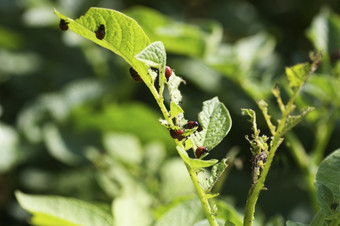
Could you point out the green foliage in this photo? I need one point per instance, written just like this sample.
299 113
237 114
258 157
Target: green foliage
49 210
97 144
216 122
123 35
327 182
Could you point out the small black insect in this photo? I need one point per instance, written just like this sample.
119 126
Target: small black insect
168 72
134 74
193 124
200 151
177 134
63 25
100 33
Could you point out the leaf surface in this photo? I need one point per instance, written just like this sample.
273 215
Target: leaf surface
75 212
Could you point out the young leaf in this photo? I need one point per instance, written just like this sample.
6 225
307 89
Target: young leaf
216 172
329 175
264 108
195 163
216 123
123 35
175 109
293 120
74 212
153 55
297 75
175 94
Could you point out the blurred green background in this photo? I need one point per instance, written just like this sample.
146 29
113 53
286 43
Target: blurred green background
64 99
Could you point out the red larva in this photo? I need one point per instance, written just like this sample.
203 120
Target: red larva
177 134
193 124
63 25
168 72
134 74
200 151
100 33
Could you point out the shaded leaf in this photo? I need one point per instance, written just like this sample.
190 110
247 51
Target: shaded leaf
216 172
329 175
178 37
325 198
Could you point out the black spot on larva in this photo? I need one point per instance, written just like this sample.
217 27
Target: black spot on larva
63 25
100 33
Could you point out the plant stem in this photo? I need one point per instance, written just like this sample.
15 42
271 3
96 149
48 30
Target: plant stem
256 188
193 175
202 196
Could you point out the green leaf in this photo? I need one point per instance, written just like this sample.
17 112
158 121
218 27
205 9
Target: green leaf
178 37
186 213
205 222
195 163
319 219
228 213
153 55
175 179
216 123
123 147
292 223
173 84
325 198
329 175
75 212
264 108
216 172
123 35
293 120
127 211
9 147
297 75
175 110
325 31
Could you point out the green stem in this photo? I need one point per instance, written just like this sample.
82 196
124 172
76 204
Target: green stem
193 174
256 188
202 196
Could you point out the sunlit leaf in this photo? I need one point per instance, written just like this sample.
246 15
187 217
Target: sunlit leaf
297 75
195 163
127 211
123 35
153 55
186 213
216 123
75 212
